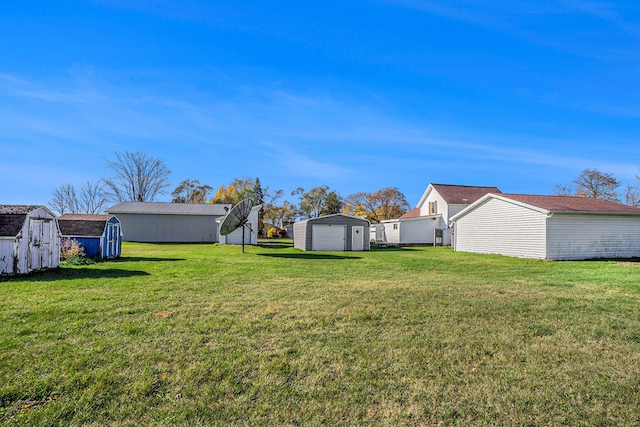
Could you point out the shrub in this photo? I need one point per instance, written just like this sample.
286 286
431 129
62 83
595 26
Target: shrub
72 253
272 232
70 248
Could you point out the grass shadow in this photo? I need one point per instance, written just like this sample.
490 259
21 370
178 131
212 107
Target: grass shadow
382 248
311 256
275 244
144 259
63 273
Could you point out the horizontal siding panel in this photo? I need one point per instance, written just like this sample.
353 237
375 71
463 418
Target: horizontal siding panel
168 228
593 236
418 231
500 227
391 234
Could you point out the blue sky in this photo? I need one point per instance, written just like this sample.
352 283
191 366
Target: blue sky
356 95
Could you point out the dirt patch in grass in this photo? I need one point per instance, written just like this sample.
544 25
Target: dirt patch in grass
164 314
630 263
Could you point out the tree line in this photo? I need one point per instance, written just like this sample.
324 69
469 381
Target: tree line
137 176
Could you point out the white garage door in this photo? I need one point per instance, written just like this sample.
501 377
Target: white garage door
328 237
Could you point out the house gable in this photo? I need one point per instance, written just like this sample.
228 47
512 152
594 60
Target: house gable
447 199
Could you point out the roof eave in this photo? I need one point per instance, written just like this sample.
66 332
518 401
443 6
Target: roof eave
593 213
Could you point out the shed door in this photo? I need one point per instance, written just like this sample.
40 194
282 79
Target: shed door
357 238
40 236
328 237
113 232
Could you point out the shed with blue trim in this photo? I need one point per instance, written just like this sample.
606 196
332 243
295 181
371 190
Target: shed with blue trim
99 235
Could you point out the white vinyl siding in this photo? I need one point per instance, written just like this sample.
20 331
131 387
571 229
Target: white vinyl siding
418 231
593 236
499 227
392 232
441 205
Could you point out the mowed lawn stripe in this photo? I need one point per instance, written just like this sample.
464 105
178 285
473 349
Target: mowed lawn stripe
205 335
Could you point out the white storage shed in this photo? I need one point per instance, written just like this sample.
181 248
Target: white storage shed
29 239
336 232
548 227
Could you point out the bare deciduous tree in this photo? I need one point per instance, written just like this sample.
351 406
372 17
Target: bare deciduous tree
93 199
562 190
64 199
138 177
632 195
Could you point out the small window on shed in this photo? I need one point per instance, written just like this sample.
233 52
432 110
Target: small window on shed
395 226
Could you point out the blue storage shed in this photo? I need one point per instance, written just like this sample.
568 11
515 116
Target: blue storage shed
99 235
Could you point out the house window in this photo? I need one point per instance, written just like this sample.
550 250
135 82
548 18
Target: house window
395 226
433 208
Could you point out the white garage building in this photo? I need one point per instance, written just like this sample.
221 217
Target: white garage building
548 227
336 232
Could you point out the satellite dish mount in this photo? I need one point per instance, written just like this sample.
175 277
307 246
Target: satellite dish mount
237 217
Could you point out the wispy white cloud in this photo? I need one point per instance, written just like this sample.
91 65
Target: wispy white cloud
310 138
530 20
307 165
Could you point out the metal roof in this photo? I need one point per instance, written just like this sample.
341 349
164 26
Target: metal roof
163 208
334 215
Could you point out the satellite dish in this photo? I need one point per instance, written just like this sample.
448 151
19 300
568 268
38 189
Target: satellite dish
237 217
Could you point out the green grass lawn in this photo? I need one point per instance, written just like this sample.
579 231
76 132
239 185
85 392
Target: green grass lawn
204 335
